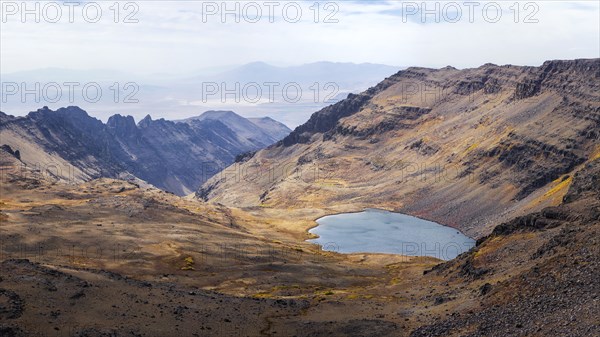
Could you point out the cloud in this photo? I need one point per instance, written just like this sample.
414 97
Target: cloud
172 37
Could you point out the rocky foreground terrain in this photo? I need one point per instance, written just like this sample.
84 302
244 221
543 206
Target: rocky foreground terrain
110 258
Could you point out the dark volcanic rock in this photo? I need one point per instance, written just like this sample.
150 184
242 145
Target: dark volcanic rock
12 305
9 150
537 162
11 331
177 157
356 327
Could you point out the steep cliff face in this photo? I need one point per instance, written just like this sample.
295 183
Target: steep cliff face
123 127
176 157
468 148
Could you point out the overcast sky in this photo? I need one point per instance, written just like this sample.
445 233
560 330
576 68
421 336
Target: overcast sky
180 36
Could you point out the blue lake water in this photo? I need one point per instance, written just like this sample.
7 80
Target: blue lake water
379 231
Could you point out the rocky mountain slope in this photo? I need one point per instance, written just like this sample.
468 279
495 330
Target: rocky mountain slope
256 131
535 275
466 148
175 157
274 128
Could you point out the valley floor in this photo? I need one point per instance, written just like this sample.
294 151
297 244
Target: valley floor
109 258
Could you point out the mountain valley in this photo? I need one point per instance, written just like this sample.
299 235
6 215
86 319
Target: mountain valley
508 155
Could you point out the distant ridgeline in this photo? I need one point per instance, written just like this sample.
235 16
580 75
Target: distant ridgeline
176 156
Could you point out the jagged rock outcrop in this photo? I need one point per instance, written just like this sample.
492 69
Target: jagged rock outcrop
9 150
173 156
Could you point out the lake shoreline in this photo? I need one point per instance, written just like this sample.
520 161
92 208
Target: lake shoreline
392 229
380 209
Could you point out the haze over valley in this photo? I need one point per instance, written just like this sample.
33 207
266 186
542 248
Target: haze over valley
257 89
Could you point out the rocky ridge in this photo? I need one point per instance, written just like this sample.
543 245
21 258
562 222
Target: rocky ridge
466 148
176 157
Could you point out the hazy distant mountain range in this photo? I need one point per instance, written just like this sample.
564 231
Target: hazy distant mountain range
174 156
179 96
344 74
